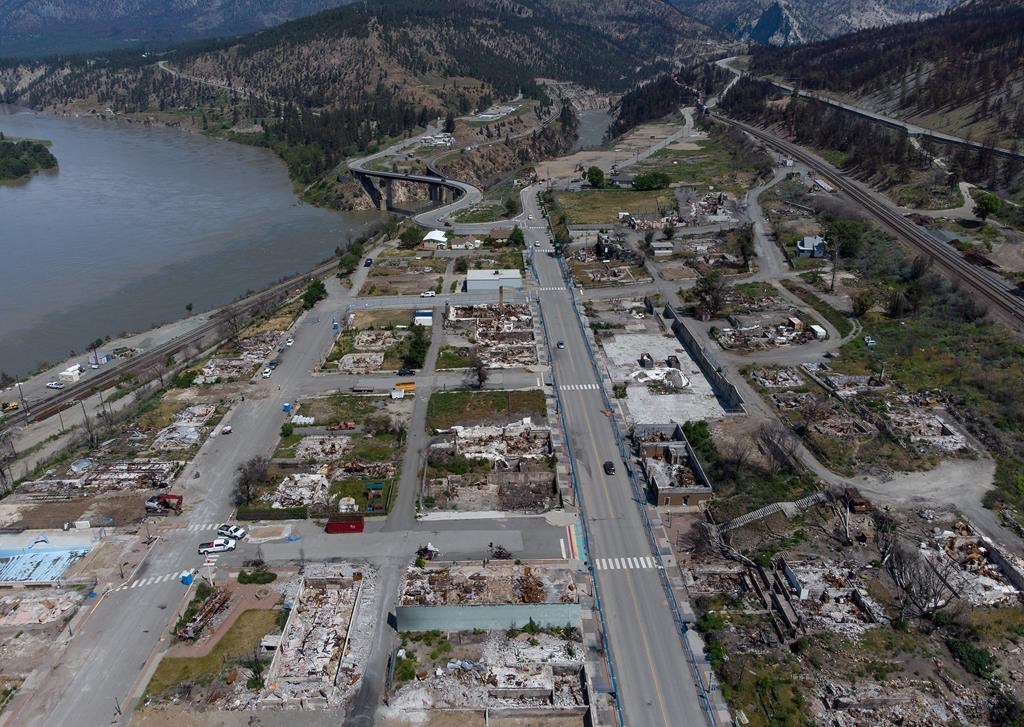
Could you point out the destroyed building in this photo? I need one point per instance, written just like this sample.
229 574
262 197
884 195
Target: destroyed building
674 475
521 478
502 334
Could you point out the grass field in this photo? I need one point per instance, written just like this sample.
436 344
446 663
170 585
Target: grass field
237 642
603 206
481 213
446 409
355 488
449 358
382 318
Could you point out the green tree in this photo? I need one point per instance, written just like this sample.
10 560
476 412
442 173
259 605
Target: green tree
449 123
410 237
595 175
287 429
650 181
511 205
986 204
848 235
419 343
315 292
710 291
745 243
348 262
517 237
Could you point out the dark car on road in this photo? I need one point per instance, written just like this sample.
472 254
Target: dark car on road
609 468
368 263
406 371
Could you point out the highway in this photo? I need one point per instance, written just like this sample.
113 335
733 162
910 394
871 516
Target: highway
656 684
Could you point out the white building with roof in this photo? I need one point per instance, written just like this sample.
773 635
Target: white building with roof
486 280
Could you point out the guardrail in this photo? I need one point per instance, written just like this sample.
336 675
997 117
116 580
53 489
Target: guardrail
640 496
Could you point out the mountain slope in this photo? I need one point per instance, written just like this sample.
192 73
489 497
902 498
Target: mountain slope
962 72
788 22
36 27
322 88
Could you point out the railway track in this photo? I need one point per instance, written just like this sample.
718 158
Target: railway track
992 287
150 359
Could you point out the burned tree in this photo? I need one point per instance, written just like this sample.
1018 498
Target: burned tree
250 475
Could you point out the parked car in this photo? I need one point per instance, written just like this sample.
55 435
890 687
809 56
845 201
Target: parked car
560 344
266 372
427 294
406 371
609 468
226 430
289 342
868 341
54 385
217 545
233 532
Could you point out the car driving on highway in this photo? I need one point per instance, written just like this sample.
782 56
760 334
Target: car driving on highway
54 385
427 294
609 468
217 545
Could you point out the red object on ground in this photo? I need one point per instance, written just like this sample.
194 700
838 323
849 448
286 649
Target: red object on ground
345 524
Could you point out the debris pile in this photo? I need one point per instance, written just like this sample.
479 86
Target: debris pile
502 334
221 369
981 576
361 363
503 446
213 605
300 489
440 584
29 608
322 449
778 378
318 660
186 430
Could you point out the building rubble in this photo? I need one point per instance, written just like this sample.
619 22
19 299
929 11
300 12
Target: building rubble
321 655
497 583
323 448
501 334
30 608
778 378
300 489
186 430
133 474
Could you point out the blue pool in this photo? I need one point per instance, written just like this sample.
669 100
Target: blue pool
38 563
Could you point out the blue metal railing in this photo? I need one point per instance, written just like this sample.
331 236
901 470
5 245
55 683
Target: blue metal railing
640 498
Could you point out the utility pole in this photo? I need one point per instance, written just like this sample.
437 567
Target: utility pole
88 424
21 395
835 264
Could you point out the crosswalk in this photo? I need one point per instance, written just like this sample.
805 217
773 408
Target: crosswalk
192 527
552 288
148 581
640 563
579 387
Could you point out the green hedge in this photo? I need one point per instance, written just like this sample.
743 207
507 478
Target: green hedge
269 513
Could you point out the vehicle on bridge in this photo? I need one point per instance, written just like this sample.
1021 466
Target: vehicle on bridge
165 503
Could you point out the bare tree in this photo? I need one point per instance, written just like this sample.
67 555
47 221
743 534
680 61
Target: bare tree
478 372
835 518
250 475
778 444
923 583
232 322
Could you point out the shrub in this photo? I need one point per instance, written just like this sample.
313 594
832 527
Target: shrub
260 576
287 429
975 659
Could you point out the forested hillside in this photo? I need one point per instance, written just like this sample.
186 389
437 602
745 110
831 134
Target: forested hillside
321 88
962 72
667 93
37 27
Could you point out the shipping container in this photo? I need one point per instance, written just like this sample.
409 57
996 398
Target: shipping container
345 524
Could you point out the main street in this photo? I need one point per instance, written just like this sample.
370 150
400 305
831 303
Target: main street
656 683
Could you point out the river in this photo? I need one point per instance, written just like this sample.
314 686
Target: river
594 124
138 222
